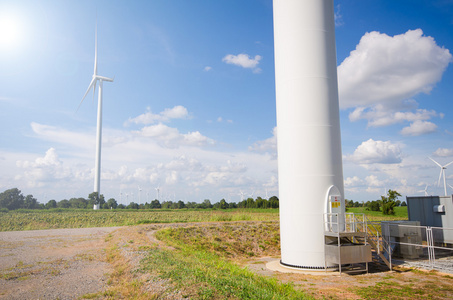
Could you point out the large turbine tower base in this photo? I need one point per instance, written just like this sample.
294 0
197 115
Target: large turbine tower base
308 123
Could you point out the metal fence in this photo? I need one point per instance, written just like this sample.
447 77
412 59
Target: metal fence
419 246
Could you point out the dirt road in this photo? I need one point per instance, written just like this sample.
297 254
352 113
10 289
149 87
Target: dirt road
53 264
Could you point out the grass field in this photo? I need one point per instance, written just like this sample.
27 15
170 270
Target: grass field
79 218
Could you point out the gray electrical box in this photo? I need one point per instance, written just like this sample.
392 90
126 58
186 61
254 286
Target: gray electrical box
406 234
433 211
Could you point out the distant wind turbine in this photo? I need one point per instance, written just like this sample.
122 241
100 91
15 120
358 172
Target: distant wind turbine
425 190
157 190
139 195
94 80
242 195
442 173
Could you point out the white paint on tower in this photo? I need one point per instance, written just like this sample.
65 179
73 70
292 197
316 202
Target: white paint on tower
308 123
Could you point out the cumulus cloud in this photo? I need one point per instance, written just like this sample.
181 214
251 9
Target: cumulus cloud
418 128
243 60
171 137
43 169
207 69
352 181
177 112
380 152
385 69
381 115
268 145
443 152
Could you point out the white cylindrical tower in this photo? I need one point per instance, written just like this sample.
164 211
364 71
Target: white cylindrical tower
308 124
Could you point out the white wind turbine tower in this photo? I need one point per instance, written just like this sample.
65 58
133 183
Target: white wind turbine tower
442 173
139 195
157 190
242 195
94 80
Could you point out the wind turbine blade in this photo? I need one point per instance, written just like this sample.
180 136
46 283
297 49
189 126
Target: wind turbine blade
89 87
448 164
440 176
435 162
94 87
96 51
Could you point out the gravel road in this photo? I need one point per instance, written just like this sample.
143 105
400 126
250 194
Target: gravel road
53 264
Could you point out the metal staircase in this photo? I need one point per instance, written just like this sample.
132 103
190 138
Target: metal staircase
360 231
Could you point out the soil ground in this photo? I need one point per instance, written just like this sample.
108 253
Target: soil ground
70 263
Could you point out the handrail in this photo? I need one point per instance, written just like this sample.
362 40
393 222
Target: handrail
351 223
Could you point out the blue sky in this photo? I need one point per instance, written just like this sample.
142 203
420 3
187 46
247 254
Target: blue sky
192 107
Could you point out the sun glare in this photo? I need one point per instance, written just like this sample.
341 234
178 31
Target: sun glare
10 32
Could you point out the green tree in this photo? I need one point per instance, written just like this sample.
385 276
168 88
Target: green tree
261 203
155 204
11 199
111 203
51 204
206 204
181 204
30 202
223 204
373 205
94 199
273 202
250 203
63 204
389 202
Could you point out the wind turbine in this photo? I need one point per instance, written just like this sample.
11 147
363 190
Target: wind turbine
139 195
425 190
94 80
157 189
442 173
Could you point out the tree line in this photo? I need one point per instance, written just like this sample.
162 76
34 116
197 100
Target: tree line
386 204
13 199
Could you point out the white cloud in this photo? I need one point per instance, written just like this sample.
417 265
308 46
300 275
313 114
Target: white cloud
207 68
171 137
443 152
418 128
352 181
243 60
382 115
43 169
338 17
387 69
380 152
373 181
267 145
59 135
177 112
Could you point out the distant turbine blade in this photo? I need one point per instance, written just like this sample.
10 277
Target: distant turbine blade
435 162
96 51
93 81
448 164
440 176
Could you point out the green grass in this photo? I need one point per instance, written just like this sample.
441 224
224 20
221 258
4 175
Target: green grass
400 213
195 268
73 218
83 218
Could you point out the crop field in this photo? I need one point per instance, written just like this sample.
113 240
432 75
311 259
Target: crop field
82 218
78 218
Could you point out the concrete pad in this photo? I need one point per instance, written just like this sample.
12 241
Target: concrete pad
277 267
